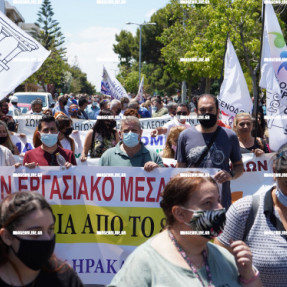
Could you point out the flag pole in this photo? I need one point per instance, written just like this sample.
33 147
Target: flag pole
256 97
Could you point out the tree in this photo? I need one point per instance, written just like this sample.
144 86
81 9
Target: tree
49 35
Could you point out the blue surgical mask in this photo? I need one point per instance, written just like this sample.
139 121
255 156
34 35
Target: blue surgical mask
131 139
94 104
281 196
49 140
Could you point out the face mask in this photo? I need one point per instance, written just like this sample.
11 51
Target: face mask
281 196
173 147
35 253
11 127
153 109
94 104
5 110
34 113
3 139
131 139
68 131
208 123
65 102
212 221
49 139
118 111
74 114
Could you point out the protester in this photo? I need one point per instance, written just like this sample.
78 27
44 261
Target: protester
14 108
190 204
243 125
124 104
93 109
132 112
266 233
28 260
104 105
47 112
209 145
46 154
171 141
5 139
4 109
262 130
74 112
36 107
171 107
6 157
147 105
62 101
182 112
143 112
83 103
158 108
65 129
115 107
130 151
102 137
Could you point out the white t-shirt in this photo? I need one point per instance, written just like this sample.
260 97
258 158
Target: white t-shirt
66 144
6 157
175 123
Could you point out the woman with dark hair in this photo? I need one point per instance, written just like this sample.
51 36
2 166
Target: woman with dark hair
261 222
261 126
102 137
181 255
28 260
5 139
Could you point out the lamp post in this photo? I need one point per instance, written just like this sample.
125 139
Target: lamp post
140 48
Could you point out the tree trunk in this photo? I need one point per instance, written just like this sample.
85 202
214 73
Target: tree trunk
207 85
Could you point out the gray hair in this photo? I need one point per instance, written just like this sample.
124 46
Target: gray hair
37 102
131 119
133 104
114 102
171 105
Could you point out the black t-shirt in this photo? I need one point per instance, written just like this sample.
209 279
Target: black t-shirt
65 277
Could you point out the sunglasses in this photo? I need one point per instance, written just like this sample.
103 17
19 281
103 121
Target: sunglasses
74 110
181 113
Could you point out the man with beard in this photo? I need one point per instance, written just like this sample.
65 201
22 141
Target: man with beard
208 145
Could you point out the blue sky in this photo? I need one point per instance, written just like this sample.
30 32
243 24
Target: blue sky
90 28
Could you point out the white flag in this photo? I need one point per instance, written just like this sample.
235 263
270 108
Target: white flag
234 95
140 92
112 87
274 78
20 55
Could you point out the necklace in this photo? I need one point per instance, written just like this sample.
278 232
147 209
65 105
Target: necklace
188 261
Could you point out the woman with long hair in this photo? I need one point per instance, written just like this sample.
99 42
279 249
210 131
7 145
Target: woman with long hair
27 242
102 137
5 139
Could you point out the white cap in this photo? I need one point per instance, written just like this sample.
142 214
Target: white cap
14 99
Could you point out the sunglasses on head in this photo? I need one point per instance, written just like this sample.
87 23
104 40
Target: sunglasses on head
181 113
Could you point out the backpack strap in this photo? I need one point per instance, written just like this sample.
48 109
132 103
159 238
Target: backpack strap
251 216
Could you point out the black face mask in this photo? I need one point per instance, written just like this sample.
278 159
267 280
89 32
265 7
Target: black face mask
11 127
2 139
68 131
208 123
65 102
35 253
118 111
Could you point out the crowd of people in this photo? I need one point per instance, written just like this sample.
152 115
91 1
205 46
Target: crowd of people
189 203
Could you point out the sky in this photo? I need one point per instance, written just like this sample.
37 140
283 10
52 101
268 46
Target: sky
90 28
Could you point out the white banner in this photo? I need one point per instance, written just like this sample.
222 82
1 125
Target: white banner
140 91
112 87
274 78
234 95
20 55
89 202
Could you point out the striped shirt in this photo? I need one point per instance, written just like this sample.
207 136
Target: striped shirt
267 242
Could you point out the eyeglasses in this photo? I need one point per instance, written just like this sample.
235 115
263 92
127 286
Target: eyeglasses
181 113
74 110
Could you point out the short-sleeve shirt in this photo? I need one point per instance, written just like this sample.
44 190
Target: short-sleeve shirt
6 157
192 143
145 267
175 123
116 157
163 111
43 158
269 249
